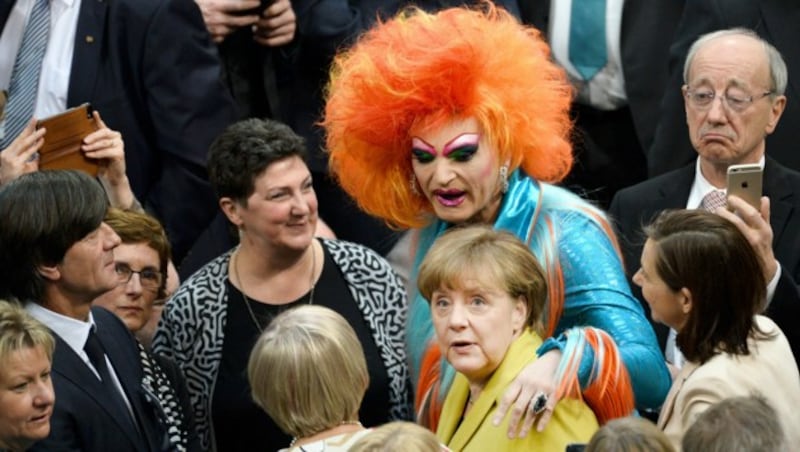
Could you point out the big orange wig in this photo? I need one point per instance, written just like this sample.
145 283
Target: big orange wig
420 70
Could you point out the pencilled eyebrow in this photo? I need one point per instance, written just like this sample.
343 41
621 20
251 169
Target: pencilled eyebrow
464 139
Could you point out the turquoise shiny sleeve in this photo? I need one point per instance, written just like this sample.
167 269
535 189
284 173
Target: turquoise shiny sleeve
597 294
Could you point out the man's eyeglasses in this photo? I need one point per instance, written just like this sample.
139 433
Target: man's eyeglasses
702 98
149 279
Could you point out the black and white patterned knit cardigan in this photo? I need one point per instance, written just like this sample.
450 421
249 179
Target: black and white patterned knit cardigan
192 325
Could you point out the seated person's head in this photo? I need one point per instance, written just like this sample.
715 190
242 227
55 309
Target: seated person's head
308 371
26 392
629 434
693 264
737 424
493 279
52 234
141 263
398 436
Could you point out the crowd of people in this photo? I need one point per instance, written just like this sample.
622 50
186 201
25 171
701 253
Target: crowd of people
392 226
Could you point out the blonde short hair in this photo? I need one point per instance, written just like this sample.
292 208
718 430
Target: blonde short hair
18 331
491 256
308 370
398 436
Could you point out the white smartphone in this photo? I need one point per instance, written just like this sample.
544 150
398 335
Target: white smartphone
744 181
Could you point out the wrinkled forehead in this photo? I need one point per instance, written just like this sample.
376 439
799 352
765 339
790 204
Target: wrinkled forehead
730 61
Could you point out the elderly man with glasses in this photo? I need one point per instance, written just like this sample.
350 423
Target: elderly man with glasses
733 92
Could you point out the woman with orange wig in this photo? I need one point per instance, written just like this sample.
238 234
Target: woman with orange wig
437 120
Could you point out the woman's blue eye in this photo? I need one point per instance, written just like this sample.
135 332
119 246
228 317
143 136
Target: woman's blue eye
421 155
463 153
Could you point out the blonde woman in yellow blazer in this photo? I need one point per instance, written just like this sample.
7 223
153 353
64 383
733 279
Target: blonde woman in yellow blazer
701 277
487 293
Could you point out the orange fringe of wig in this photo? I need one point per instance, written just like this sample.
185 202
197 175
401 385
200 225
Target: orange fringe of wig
422 70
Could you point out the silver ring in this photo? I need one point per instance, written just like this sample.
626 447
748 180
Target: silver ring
538 403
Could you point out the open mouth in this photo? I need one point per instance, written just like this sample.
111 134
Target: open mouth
461 346
450 198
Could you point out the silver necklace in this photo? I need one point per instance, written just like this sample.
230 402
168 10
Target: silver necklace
247 299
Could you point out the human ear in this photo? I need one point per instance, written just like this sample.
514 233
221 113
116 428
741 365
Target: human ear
520 313
686 300
231 210
49 272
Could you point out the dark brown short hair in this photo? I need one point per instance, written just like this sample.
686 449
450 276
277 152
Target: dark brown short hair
709 256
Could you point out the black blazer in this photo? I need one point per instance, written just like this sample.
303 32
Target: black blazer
776 21
151 70
636 206
646 33
82 419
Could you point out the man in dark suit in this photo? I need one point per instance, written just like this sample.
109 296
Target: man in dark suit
57 257
151 70
776 21
615 114
733 100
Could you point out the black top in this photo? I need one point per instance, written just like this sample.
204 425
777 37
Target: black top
239 424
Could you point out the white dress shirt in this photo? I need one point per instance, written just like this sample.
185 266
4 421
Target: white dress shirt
606 90
57 63
74 333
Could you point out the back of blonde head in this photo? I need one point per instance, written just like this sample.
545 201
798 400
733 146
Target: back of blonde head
308 371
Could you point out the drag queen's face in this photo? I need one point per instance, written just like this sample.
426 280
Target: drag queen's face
457 171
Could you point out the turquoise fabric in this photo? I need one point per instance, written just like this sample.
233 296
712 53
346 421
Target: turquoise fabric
595 287
587 37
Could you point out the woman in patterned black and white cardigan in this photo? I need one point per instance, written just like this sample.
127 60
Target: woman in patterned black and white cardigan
209 326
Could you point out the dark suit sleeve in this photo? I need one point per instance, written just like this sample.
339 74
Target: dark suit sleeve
188 107
784 309
671 147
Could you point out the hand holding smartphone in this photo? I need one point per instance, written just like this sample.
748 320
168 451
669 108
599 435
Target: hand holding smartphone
745 181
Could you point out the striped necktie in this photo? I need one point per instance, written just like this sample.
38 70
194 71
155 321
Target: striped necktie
587 37
24 83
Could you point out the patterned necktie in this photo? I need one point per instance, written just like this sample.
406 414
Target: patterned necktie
587 37
713 200
24 83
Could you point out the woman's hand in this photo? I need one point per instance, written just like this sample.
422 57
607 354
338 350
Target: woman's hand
19 158
106 146
535 379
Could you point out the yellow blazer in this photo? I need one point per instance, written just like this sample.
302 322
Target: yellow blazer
769 369
572 422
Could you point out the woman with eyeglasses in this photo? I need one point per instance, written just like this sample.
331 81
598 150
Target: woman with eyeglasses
141 262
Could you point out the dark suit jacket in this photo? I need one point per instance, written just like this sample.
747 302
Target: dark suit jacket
638 205
776 21
83 420
647 30
151 70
